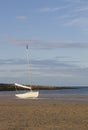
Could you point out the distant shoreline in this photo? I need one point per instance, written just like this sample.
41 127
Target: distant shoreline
12 87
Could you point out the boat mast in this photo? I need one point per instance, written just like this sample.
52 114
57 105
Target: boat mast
29 66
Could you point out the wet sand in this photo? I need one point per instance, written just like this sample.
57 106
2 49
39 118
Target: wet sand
30 114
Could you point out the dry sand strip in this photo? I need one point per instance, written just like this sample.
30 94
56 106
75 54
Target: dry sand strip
16 114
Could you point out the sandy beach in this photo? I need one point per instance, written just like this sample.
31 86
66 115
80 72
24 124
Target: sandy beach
19 114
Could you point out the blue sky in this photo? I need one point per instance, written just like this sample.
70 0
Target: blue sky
57 34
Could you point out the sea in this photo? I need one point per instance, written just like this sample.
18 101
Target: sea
73 94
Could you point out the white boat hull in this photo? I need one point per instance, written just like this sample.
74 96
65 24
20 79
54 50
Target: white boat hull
31 94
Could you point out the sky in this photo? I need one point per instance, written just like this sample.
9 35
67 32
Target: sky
56 32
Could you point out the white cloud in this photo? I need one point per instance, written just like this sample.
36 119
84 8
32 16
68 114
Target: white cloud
38 44
82 9
56 75
51 9
74 19
43 69
21 17
76 15
76 1
81 22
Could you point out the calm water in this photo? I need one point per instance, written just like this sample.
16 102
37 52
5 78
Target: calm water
79 94
80 90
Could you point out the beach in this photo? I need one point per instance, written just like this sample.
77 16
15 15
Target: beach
35 114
